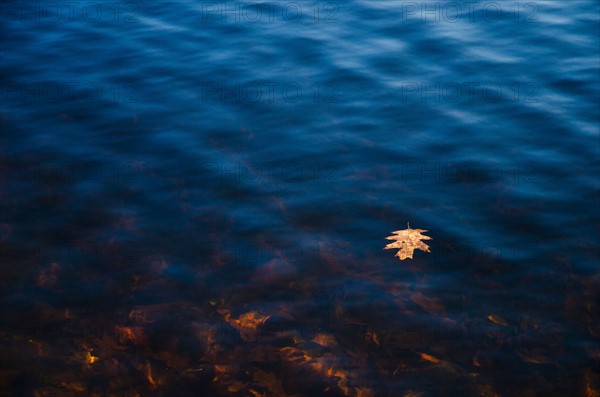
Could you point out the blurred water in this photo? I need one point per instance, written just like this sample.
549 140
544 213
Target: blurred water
233 157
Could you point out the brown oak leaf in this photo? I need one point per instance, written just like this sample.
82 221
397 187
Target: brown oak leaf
408 241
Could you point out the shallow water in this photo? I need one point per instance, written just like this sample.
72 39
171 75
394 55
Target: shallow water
195 198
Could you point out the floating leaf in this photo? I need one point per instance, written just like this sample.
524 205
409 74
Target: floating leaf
407 241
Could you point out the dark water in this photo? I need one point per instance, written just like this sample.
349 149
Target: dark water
195 198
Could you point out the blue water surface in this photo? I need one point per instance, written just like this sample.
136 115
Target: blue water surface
170 166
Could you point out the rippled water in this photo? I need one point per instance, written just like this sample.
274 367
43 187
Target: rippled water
196 195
